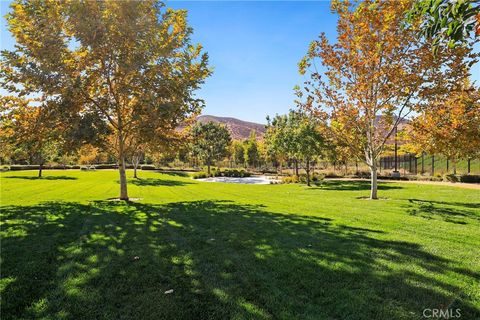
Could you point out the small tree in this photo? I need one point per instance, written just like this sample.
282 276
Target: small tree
309 141
210 142
88 154
28 126
238 153
251 152
281 137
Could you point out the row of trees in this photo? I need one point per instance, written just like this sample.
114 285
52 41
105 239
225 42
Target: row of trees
127 66
121 76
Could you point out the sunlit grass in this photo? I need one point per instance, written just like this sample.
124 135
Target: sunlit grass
234 251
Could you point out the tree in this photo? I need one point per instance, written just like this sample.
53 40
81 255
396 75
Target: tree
238 153
275 139
126 61
375 75
27 125
210 142
450 127
281 137
309 141
449 22
88 154
251 152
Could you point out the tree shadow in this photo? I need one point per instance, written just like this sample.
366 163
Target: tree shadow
42 178
473 205
339 185
447 211
223 260
174 173
153 182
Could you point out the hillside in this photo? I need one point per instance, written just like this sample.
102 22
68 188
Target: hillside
239 129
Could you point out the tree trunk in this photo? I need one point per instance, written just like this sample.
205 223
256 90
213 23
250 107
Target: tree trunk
40 167
208 168
307 169
468 166
454 166
121 167
135 162
296 167
374 187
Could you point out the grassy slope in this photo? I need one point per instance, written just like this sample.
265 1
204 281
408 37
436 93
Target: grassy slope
234 251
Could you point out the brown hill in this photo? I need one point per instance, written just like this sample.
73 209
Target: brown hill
239 129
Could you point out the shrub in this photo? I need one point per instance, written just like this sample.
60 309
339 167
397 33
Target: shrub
244 174
290 179
24 167
362 174
200 175
105 166
450 178
318 179
147 167
332 174
470 178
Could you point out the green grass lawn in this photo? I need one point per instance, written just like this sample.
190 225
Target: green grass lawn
234 251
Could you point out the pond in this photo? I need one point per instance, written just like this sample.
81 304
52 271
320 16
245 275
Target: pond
248 180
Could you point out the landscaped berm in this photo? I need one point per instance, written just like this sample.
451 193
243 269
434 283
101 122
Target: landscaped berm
196 250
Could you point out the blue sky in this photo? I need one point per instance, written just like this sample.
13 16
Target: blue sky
254 48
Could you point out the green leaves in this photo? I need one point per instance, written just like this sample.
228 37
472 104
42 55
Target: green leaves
210 141
446 22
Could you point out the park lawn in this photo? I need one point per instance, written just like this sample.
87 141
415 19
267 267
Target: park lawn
234 251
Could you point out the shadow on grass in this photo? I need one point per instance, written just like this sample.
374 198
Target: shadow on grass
472 205
339 185
174 173
223 260
42 178
447 211
153 182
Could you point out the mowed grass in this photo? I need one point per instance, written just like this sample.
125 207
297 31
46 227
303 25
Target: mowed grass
234 251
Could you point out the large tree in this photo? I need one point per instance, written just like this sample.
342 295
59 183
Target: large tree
375 75
210 142
125 61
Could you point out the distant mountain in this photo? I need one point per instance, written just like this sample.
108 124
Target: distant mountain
239 129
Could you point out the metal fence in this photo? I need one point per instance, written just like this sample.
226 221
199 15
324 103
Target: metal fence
429 164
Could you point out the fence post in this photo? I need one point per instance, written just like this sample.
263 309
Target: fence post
423 162
433 165
410 163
